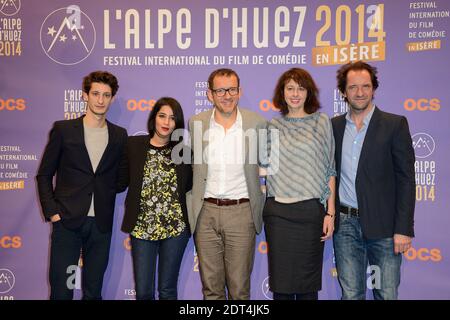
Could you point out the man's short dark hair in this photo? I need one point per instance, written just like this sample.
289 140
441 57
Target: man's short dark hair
355 66
222 72
101 77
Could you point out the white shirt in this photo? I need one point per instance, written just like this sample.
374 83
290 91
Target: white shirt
225 157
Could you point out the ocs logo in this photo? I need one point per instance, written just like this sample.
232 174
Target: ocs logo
433 104
9 7
262 247
10 242
424 254
7 280
140 105
423 145
12 104
267 105
67 35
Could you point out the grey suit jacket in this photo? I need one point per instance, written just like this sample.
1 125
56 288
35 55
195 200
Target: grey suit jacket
250 120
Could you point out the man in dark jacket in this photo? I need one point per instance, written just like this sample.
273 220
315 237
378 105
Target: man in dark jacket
87 155
375 188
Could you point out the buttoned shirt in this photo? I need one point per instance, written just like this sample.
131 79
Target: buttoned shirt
351 150
225 155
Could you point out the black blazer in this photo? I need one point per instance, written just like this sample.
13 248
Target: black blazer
385 180
137 153
66 156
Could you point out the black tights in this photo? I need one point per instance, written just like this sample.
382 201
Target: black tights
296 296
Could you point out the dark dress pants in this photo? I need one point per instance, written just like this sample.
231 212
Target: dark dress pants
66 247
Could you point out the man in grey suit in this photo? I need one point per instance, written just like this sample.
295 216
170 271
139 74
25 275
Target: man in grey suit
226 210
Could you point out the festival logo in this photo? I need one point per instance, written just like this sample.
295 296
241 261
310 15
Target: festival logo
265 289
425 169
423 145
9 7
140 133
67 35
7 280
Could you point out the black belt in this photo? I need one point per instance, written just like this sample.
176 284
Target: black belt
226 202
349 210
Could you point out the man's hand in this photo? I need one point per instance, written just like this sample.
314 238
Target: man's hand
401 243
55 218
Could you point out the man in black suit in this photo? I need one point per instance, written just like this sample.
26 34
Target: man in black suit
376 188
88 156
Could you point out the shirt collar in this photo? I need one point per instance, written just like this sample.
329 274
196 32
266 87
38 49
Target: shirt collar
366 118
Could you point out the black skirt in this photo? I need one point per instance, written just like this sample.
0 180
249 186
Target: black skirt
295 252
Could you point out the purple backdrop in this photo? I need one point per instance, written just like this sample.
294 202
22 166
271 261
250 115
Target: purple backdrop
159 48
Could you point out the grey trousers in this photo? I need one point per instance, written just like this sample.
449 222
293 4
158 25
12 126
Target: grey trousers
225 243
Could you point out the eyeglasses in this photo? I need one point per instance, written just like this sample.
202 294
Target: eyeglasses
221 92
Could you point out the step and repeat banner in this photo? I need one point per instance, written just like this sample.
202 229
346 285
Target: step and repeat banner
168 48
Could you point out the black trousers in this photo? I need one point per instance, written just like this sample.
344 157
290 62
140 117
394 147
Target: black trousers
66 246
